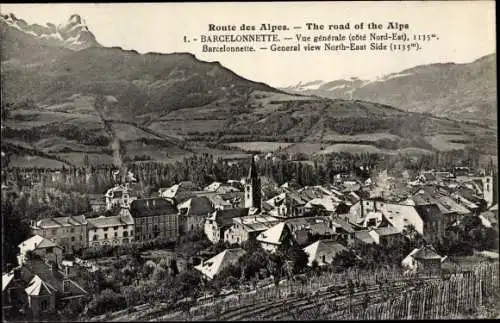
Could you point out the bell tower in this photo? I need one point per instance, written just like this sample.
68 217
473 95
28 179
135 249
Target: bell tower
253 188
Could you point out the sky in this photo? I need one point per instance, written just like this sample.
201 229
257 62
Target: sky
466 31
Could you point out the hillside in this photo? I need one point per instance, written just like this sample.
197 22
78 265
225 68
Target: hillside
101 106
458 91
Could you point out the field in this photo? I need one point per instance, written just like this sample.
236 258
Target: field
173 127
77 158
262 146
26 161
446 142
352 148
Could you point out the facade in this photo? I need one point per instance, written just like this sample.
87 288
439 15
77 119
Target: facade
70 232
37 288
305 228
221 220
248 227
253 193
155 218
111 230
423 260
287 205
276 237
179 192
433 222
193 213
41 247
120 195
488 190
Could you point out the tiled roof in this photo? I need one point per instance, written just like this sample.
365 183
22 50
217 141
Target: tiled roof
37 242
197 206
225 217
254 223
428 213
387 230
65 221
426 252
329 247
273 235
214 265
38 287
364 236
105 221
151 207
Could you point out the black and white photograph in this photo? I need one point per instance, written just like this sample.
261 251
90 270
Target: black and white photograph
249 161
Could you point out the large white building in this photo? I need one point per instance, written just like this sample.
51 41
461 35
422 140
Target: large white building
111 230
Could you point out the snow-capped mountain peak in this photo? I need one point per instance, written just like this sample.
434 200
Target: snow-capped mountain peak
72 34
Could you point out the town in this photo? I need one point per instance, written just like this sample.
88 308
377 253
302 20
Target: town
191 252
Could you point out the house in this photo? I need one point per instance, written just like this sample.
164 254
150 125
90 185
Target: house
427 219
248 227
193 213
423 260
386 236
97 202
235 159
433 222
287 205
213 266
328 203
364 237
323 252
41 247
219 187
120 195
223 201
219 221
489 219
344 231
111 230
305 228
36 288
155 218
275 237
179 192
69 232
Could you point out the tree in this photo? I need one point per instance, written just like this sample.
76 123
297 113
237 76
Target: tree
174 271
298 257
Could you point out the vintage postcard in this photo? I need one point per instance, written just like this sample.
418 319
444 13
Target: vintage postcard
249 161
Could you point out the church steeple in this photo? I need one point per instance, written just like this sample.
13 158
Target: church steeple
252 173
253 188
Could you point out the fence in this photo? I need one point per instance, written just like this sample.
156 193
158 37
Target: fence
462 293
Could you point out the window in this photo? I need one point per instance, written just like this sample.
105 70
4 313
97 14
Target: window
72 230
50 249
44 305
105 236
125 233
124 227
105 229
115 228
73 239
94 238
54 232
131 232
116 234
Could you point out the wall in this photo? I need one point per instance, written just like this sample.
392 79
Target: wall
111 239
